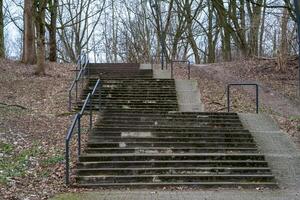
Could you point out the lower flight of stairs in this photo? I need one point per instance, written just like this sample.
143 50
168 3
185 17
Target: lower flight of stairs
142 140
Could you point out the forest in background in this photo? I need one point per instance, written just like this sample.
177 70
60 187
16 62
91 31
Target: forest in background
203 31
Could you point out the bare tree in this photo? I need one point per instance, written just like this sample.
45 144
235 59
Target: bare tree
2 49
52 28
39 19
76 17
29 53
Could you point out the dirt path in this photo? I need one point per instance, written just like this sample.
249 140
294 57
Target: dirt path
267 96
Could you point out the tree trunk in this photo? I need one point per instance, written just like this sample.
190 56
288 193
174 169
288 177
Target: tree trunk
226 45
283 50
193 44
2 49
224 23
52 31
40 28
275 43
255 18
29 53
211 47
262 29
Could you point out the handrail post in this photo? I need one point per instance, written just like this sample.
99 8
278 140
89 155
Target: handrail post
70 100
67 157
91 114
256 98
171 69
76 92
79 135
228 98
100 96
88 69
189 69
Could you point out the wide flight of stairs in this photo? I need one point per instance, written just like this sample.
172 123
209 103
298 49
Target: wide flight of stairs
141 139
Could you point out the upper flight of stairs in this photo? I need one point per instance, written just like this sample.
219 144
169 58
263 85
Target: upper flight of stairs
141 139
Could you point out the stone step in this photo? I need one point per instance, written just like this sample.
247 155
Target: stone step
141 125
164 100
169 129
167 116
143 98
140 110
124 108
189 184
136 105
130 103
192 156
128 79
139 94
174 170
171 122
134 102
167 139
138 85
178 114
164 120
170 144
173 163
173 134
145 86
176 178
186 149
135 96
135 83
158 90
138 116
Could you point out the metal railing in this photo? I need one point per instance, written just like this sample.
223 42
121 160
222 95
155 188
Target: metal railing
77 122
241 84
181 61
81 71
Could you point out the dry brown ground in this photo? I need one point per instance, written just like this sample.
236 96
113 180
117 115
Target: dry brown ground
33 124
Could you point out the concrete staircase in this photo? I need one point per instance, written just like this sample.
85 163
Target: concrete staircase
141 139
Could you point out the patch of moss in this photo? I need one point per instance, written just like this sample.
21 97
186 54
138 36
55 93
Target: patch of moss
15 165
294 118
6 148
53 160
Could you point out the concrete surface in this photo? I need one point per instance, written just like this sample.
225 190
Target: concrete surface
181 195
145 66
188 96
280 151
159 73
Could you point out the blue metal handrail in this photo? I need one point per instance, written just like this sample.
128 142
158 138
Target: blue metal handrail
242 84
77 121
82 68
181 61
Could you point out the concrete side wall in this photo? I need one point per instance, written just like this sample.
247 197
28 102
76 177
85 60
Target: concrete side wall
188 96
281 152
145 66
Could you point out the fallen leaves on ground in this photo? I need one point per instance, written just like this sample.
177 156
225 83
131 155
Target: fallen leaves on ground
33 124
